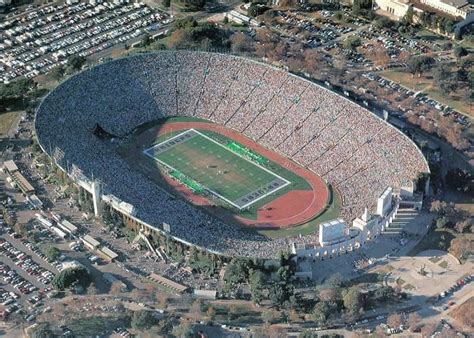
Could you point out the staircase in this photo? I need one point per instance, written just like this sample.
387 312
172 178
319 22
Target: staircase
402 218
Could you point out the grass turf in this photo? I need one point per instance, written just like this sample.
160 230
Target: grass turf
217 168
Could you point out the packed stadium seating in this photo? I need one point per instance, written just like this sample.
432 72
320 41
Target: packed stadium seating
348 146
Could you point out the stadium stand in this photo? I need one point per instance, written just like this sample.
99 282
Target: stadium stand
355 151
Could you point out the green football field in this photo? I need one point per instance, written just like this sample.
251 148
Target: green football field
218 169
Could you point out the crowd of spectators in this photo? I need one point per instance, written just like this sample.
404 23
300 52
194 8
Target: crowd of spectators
359 154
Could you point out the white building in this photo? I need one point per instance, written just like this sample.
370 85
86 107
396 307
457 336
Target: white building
395 8
90 242
332 232
384 202
456 8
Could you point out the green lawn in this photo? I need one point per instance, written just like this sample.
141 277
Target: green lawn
6 121
217 168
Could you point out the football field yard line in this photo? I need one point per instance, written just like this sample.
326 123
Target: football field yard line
183 150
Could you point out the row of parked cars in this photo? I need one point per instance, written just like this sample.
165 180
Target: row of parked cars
456 286
35 47
8 301
25 262
14 279
36 250
419 97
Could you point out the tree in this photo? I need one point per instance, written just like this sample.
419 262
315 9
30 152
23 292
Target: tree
437 206
269 316
394 320
459 52
441 222
43 330
352 299
383 22
16 89
116 288
462 225
461 247
195 312
413 321
162 300
308 334
183 330
57 73
257 281
279 294
351 42
143 320
321 313
384 293
240 42
445 79
167 3
70 277
146 40
284 273
237 271
420 64
408 18
91 290
380 331
75 63
328 294
211 313
52 253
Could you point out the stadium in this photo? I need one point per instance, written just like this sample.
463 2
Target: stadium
213 150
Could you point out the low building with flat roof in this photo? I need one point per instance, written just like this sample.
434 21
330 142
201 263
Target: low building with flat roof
10 166
67 226
168 283
90 242
107 254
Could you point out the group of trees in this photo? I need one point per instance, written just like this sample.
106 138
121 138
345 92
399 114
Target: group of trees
256 9
204 262
445 127
15 93
363 8
74 64
334 299
143 320
448 216
189 34
460 180
278 289
436 22
419 65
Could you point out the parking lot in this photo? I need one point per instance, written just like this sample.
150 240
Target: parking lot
25 273
44 38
